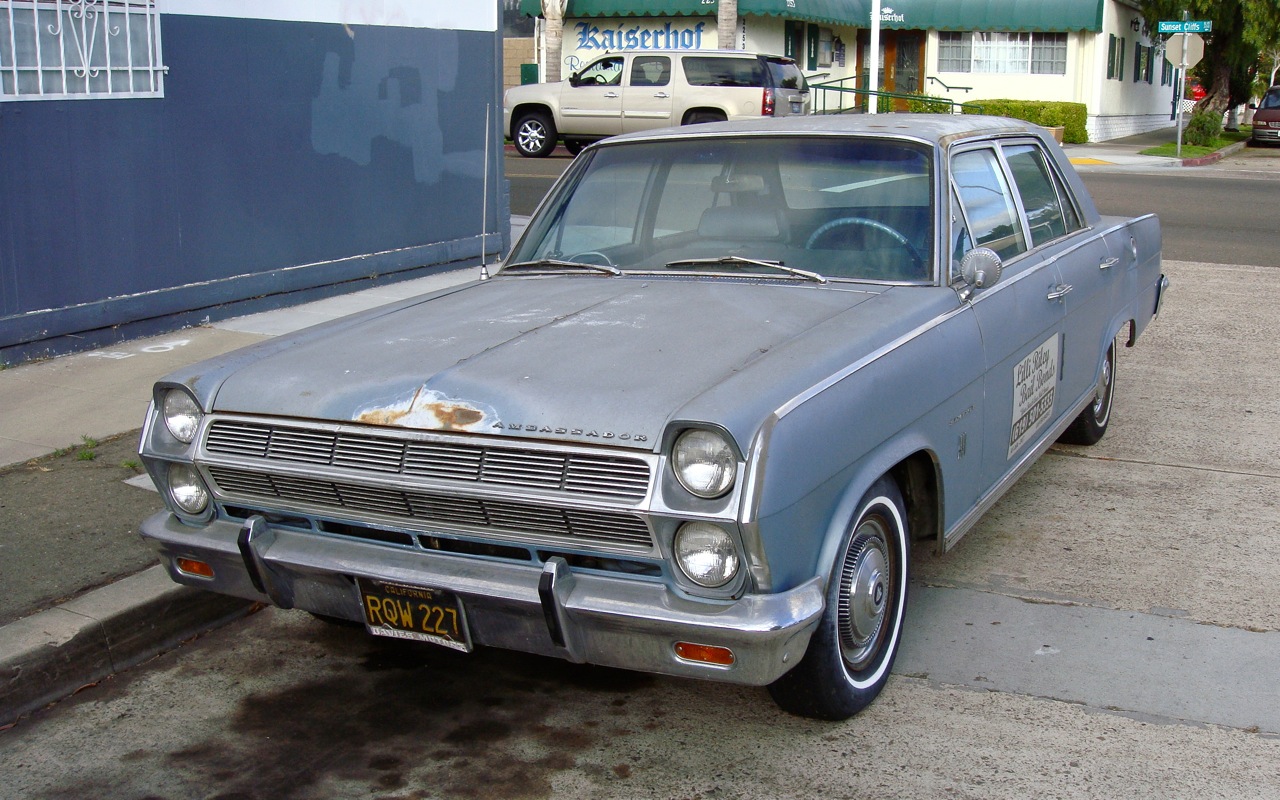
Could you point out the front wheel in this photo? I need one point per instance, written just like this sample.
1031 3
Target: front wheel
1089 426
852 651
535 135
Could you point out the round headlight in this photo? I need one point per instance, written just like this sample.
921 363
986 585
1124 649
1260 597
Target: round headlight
181 415
187 490
705 553
704 462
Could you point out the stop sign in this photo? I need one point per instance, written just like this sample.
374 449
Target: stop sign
1195 49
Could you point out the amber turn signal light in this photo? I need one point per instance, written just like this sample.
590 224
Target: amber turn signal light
706 653
193 567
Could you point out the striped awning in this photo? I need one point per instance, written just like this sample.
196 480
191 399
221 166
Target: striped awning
832 12
944 15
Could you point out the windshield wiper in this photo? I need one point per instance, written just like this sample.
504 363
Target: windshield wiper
744 261
556 262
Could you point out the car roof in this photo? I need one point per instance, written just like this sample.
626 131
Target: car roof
938 129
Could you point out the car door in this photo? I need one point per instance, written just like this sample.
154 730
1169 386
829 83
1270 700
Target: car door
646 97
1091 268
1019 315
591 102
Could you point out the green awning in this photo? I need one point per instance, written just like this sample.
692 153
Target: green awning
985 15
833 12
943 15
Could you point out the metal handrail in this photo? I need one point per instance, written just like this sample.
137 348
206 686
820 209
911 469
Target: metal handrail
839 87
948 88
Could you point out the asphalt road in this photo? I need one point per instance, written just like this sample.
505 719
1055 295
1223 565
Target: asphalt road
1109 629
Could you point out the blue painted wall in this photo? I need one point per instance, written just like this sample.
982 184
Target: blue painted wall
285 157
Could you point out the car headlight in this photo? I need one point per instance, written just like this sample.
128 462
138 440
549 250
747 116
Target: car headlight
704 462
181 415
706 554
187 490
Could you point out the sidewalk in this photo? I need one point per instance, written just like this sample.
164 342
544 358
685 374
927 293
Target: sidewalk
1124 153
54 651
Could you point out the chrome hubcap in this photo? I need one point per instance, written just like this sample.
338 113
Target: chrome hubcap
1102 393
865 591
532 137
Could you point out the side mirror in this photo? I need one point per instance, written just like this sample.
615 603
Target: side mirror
574 79
981 267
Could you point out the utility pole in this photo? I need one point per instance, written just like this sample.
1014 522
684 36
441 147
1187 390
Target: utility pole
873 60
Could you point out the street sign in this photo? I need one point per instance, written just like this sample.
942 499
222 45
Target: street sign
1185 26
1195 50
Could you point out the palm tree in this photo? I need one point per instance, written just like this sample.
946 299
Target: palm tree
553 13
727 24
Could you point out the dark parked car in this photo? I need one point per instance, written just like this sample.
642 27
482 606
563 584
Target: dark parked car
727 377
1266 118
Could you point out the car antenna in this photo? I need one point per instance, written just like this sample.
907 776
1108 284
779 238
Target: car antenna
484 200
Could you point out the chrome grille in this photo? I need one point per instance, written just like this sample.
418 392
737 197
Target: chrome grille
617 477
526 521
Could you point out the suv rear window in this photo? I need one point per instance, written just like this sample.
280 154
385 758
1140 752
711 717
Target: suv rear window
717 71
785 74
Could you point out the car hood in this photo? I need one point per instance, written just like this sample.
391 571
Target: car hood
592 359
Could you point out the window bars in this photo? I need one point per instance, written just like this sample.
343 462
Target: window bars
78 49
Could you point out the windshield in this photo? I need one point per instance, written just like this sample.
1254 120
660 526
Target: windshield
839 207
1270 100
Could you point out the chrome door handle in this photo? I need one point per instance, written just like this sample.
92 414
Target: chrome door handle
662 95
1058 292
611 95
1108 263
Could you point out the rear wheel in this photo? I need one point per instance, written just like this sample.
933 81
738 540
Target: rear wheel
535 135
852 651
1091 424
574 146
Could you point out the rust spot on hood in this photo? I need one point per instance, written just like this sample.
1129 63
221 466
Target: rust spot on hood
430 410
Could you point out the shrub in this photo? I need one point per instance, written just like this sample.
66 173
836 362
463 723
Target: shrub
927 104
1203 128
1071 117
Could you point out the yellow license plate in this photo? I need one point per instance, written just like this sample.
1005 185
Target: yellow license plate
419 613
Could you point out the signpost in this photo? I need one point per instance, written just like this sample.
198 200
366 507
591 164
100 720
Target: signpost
1183 53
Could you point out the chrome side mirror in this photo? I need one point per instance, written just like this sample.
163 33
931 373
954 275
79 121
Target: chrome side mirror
981 267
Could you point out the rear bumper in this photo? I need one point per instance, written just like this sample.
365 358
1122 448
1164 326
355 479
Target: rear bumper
613 621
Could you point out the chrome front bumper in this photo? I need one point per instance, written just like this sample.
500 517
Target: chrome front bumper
548 610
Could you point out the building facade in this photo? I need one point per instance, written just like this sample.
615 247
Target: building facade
168 161
1094 52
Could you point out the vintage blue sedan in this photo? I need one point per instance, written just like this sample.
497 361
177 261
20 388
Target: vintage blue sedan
726 378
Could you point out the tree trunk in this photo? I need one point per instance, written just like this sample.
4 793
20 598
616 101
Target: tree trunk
553 13
1219 92
727 25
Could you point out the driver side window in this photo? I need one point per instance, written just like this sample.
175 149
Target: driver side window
605 72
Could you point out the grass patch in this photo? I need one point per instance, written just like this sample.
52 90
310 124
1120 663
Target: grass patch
1170 150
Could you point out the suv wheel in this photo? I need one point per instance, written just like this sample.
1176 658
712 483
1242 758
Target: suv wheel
535 135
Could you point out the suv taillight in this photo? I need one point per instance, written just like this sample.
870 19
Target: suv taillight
766 104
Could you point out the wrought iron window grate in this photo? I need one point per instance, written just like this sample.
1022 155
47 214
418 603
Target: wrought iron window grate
73 49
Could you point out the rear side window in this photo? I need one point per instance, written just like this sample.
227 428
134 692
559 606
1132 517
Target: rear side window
785 74
650 71
714 71
1049 214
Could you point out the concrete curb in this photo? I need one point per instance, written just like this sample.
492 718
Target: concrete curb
1215 156
49 655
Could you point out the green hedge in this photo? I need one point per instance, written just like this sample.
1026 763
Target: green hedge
1071 117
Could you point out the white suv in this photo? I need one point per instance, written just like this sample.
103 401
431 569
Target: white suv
637 90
